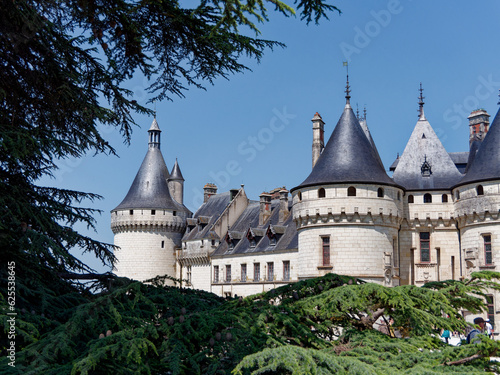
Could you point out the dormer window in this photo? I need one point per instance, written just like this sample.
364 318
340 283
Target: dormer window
426 169
274 233
254 235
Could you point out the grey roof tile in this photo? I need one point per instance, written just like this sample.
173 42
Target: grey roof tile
348 157
486 163
176 173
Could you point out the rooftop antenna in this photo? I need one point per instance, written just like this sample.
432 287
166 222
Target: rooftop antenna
347 87
421 103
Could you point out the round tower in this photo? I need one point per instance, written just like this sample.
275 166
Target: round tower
477 205
176 183
348 210
148 224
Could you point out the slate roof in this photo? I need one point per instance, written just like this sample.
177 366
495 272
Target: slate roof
347 157
149 189
286 232
460 159
486 163
176 173
364 126
200 224
424 145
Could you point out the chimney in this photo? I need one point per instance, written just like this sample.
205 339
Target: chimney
209 190
265 207
318 137
284 212
479 122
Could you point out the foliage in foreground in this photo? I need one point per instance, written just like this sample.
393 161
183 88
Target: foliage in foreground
317 326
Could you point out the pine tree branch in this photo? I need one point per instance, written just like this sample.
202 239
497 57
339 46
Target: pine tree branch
464 360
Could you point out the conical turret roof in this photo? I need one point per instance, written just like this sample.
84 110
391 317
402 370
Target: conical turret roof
425 164
149 189
486 163
348 157
176 173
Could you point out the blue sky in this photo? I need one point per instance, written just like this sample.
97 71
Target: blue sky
255 129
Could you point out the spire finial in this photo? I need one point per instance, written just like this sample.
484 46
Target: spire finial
364 113
498 97
357 111
155 108
347 87
421 102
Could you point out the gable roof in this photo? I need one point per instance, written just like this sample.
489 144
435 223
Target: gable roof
347 157
424 146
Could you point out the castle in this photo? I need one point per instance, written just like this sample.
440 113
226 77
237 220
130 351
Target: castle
436 218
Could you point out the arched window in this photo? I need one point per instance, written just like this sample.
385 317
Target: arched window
410 198
444 198
380 193
427 198
457 195
480 190
321 193
299 195
351 191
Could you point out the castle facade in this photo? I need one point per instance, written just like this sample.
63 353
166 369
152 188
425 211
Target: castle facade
436 218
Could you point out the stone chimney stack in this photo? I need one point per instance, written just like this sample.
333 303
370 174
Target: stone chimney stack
284 212
479 122
209 190
265 207
318 137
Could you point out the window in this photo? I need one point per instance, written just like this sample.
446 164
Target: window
131 212
153 212
299 195
213 242
174 213
488 256
270 271
272 240
326 250
286 270
216 274
380 193
351 191
321 193
457 195
395 251
491 310
162 244
427 198
228 273
480 190
256 272
188 271
410 198
399 196
244 272
425 248
444 198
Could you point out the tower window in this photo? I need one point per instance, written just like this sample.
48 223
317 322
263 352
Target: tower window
153 212
410 198
351 191
270 271
444 198
321 193
425 248
299 195
399 196
162 244
174 213
427 198
380 193
326 250
457 195
131 212
488 256
480 190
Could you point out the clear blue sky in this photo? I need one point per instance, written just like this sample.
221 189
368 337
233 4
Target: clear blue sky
255 128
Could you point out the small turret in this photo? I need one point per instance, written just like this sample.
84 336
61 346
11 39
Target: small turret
318 137
176 184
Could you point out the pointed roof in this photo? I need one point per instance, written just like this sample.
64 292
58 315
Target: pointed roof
364 126
176 172
348 157
425 164
149 189
486 163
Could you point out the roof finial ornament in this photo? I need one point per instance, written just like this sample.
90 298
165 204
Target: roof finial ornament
498 97
421 103
347 87
364 113
154 101
357 112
